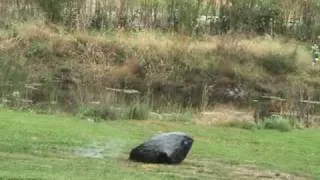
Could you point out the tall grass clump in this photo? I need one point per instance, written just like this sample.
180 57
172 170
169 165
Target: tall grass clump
136 111
182 116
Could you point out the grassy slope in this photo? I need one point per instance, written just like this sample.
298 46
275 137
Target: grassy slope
33 52
40 146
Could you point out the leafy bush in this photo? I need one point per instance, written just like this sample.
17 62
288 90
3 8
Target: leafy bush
277 123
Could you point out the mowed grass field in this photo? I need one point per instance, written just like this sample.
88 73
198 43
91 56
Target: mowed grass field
34 146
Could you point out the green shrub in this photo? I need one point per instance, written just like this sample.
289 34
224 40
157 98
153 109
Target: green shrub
277 123
37 49
98 113
278 64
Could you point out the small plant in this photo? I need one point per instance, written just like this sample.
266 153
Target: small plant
277 123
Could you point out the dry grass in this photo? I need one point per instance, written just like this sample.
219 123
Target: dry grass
257 46
105 59
147 43
222 114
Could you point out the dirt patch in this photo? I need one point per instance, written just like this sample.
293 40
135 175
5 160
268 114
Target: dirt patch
240 172
251 172
192 169
223 114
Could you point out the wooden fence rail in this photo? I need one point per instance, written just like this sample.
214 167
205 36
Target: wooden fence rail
281 99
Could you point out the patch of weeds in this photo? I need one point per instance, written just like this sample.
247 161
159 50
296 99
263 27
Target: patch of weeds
138 111
277 123
185 116
98 113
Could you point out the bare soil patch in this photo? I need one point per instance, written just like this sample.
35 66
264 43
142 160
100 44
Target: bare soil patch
224 114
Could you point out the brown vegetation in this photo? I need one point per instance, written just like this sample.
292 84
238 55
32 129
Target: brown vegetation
174 69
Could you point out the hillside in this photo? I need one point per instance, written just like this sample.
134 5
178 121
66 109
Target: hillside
44 62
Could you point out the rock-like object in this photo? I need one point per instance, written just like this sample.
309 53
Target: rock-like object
166 148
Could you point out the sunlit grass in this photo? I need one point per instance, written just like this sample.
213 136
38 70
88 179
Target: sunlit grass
42 146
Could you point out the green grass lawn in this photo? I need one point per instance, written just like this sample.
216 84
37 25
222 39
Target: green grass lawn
34 146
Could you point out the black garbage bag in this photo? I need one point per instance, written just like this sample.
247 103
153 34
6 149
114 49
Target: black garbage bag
166 148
